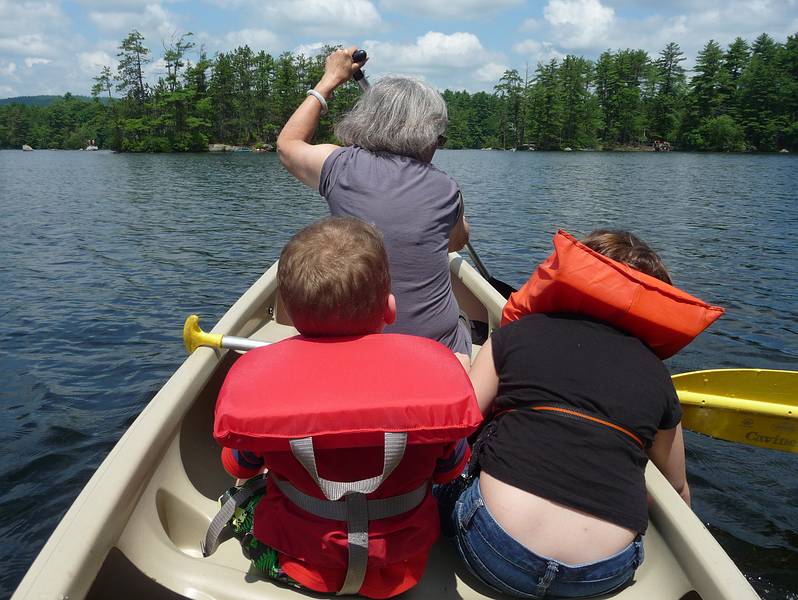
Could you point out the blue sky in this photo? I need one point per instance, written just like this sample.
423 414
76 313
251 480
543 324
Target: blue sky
55 46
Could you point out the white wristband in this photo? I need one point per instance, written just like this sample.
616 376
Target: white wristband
321 100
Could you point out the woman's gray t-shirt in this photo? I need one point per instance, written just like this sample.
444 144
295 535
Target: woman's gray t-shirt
415 205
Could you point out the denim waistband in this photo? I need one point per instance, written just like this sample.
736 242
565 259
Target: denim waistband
504 545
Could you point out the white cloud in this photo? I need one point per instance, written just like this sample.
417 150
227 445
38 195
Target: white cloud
579 23
256 39
31 61
527 47
456 60
432 50
535 52
33 43
153 21
124 3
92 62
449 9
490 73
225 4
112 20
324 17
530 25
19 18
7 69
310 50
588 26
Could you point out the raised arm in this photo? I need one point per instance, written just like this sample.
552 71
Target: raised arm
303 159
667 453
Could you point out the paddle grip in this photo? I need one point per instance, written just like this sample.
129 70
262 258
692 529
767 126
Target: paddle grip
358 75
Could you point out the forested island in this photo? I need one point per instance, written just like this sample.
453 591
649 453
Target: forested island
740 98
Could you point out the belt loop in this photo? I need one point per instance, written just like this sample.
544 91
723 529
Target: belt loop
551 572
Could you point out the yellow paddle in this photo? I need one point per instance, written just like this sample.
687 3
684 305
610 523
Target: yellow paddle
758 407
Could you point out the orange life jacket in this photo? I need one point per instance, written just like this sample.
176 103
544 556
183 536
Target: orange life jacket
576 279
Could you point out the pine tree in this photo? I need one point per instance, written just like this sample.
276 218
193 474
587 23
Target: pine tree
670 88
580 115
509 90
760 95
133 56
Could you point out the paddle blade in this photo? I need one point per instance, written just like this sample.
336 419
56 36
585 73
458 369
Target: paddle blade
757 407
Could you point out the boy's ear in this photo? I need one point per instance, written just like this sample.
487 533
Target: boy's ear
390 310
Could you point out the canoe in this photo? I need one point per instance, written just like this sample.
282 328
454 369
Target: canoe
135 529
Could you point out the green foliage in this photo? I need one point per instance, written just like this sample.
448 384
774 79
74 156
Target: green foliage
741 98
720 134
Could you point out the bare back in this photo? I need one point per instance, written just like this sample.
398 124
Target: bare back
551 529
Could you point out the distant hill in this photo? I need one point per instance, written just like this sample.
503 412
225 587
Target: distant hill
36 100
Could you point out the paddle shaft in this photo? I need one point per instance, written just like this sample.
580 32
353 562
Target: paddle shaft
231 342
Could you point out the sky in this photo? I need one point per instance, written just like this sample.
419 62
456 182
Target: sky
57 46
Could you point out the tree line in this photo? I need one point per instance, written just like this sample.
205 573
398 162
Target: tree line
740 98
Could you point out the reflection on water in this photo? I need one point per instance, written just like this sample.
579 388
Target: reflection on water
104 255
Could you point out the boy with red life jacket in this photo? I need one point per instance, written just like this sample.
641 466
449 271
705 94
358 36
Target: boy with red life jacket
580 400
352 427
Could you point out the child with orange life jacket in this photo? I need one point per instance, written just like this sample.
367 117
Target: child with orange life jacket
580 399
353 427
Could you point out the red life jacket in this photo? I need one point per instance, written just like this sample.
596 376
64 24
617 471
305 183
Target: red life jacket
327 415
576 279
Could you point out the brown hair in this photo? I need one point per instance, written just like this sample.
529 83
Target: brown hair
628 249
334 278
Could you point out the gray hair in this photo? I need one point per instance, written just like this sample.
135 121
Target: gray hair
400 115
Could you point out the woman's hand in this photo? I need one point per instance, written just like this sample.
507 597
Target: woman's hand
338 69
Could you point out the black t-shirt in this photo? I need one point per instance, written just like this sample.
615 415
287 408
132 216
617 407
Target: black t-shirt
569 361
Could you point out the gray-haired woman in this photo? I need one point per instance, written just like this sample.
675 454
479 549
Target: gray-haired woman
383 175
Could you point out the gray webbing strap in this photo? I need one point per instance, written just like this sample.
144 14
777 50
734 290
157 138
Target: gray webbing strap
219 522
380 508
395 443
357 511
356 503
357 537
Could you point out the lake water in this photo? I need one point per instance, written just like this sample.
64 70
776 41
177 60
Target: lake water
103 255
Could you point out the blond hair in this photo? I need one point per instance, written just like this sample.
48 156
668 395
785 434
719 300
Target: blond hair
334 278
628 249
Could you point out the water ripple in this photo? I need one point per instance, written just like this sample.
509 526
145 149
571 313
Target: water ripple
106 254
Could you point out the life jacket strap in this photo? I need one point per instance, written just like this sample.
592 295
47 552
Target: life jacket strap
357 510
222 518
395 443
378 508
356 504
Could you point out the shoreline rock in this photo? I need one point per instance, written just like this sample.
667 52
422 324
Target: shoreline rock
230 148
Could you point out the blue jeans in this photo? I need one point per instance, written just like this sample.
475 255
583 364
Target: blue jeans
508 567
